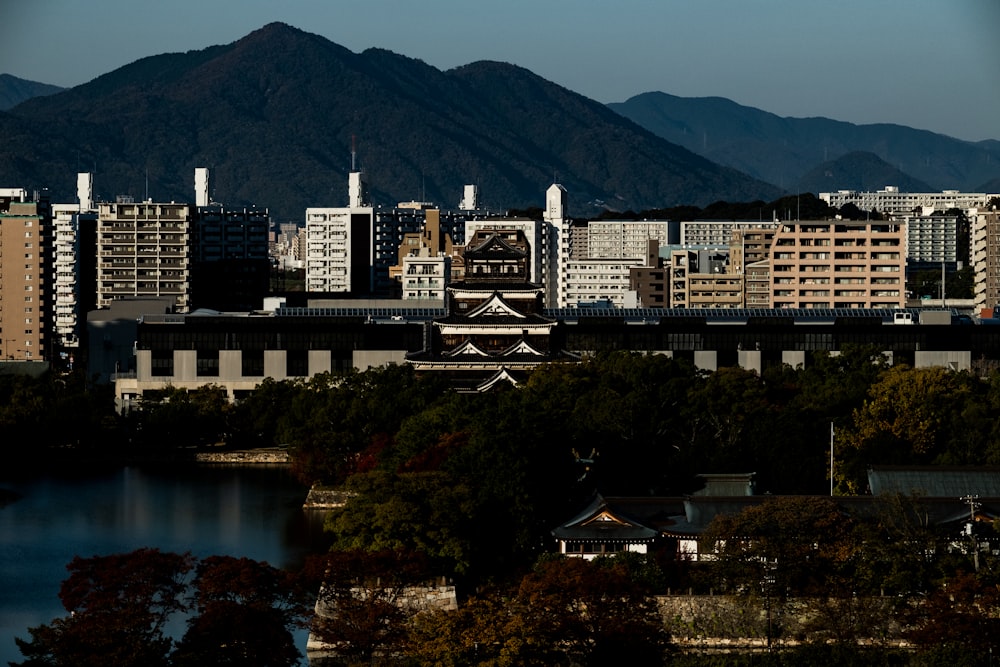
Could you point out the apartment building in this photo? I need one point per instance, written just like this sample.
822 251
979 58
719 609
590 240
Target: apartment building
933 240
986 258
25 315
74 267
230 267
144 250
838 264
611 239
591 280
717 232
890 201
698 279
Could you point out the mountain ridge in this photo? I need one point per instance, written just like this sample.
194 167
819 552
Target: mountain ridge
275 114
782 150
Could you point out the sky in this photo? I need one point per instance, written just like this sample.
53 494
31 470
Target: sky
928 64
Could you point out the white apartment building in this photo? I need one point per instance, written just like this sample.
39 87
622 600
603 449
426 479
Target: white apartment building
590 280
74 227
610 239
932 239
717 232
339 249
889 200
425 275
143 250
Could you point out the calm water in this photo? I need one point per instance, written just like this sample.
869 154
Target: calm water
237 511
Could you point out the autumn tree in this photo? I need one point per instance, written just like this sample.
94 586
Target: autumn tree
592 613
795 545
118 607
244 613
912 416
960 620
360 614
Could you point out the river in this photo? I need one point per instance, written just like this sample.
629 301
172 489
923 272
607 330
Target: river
251 511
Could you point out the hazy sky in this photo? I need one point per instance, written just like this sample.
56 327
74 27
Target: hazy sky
930 64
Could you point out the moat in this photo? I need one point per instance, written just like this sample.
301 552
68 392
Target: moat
252 511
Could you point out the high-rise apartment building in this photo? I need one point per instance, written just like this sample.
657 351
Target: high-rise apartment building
25 315
74 268
986 258
340 254
144 250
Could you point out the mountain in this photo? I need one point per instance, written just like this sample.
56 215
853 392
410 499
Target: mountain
275 115
859 170
781 150
13 90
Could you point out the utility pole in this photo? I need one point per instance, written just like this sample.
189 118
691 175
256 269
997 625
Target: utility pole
973 506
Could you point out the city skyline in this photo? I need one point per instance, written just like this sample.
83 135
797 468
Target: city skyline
923 63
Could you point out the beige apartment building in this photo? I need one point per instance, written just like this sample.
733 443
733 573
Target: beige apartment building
986 259
143 250
838 264
25 231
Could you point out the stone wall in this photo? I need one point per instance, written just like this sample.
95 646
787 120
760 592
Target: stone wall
243 456
724 621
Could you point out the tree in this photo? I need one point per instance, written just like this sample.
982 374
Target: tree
795 545
360 614
425 512
592 613
245 611
964 608
912 416
118 607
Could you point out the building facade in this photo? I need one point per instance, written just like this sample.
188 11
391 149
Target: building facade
25 277
838 264
986 259
144 250
890 201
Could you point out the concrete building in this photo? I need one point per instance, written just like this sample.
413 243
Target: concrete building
986 258
591 280
556 245
611 239
25 276
144 250
933 240
230 268
74 268
650 282
717 232
890 201
698 279
838 264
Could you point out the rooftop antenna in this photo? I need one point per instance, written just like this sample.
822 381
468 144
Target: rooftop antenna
353 153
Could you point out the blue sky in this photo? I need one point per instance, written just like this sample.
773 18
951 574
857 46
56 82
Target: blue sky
930 64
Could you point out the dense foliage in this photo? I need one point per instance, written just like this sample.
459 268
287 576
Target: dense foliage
468 487
119 607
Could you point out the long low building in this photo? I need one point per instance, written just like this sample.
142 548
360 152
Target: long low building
238 351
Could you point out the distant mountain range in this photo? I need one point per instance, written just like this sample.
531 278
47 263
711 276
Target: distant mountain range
275 114
793 152
13 90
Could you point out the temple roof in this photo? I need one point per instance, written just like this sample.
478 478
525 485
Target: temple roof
599 521
495 247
